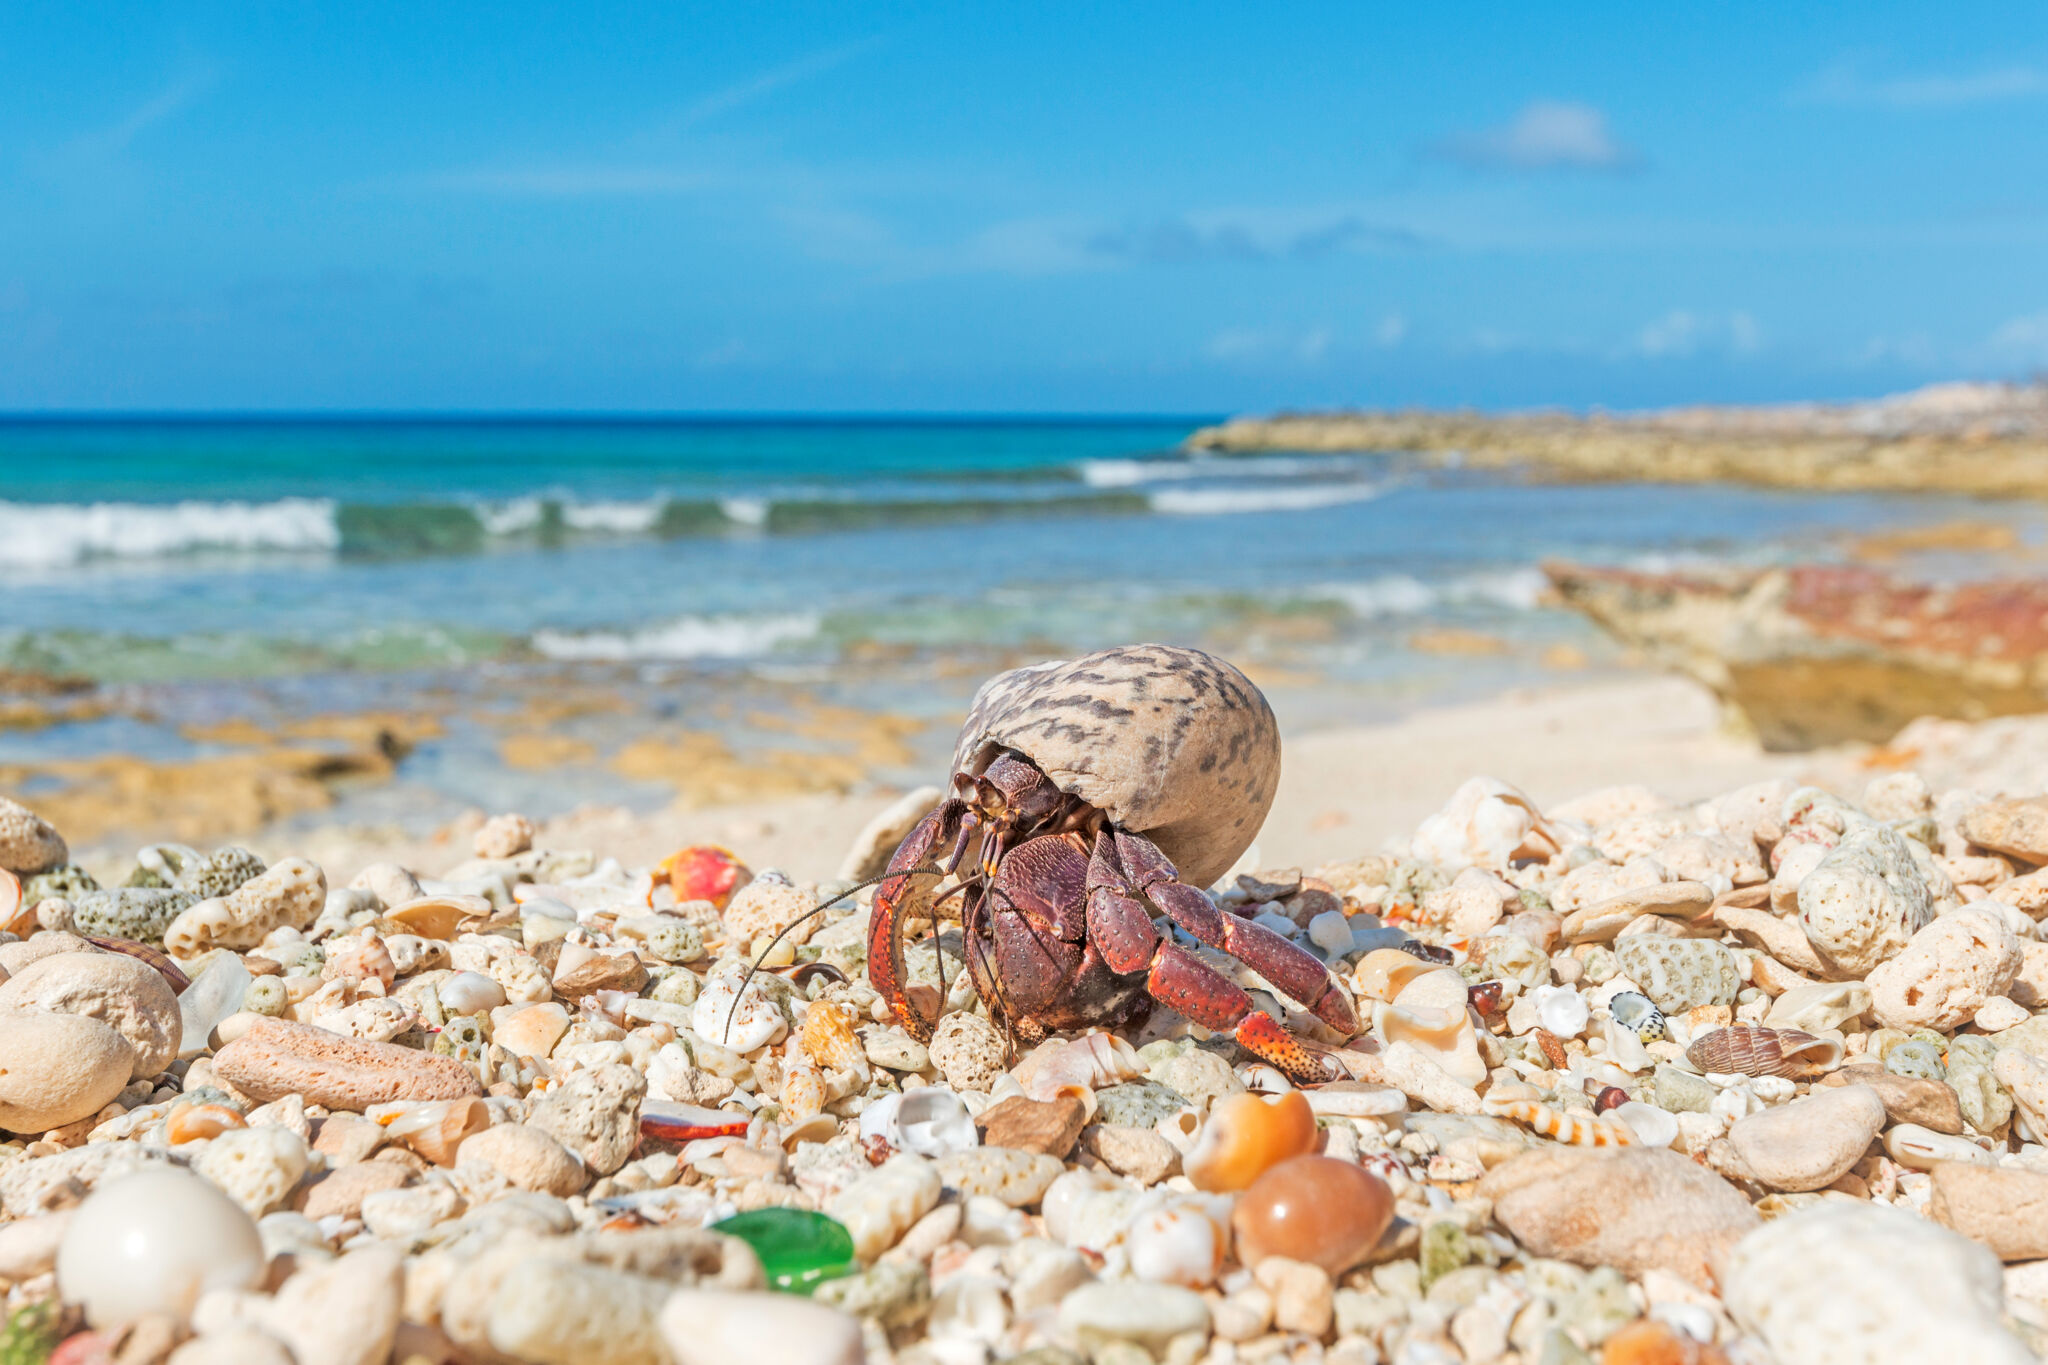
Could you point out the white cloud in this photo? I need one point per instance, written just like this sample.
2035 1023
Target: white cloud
2023 339
1847 82
1546 135
1682 332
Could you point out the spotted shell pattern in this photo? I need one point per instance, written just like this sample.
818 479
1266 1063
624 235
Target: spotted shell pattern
1639 1015
1170 743
1747 1050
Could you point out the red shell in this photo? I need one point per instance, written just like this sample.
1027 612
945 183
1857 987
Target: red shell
1610 1097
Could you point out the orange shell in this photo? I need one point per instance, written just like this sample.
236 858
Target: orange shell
1248 1133
1384 973
705 872
192 1122
438 1127
1569 1127
804 1093
439 917
827 1038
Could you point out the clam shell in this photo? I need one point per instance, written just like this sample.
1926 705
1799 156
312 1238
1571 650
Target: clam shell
1748 1050
440 917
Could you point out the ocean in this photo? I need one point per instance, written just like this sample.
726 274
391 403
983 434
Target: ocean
202 570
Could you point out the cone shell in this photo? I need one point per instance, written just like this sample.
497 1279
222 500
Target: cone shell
827 1037
1638 1014
1748 1050
1567 1126
439 917
1246 1134
804 1092
1384 973
194 1122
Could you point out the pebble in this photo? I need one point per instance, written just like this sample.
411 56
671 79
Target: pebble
1638 1209
1017 1178
528 1156
1139 1154
153 1242
257 1167
556 1312
1916 1100
1048 1126
2016 827
1852 1283
58 1068
278 1057
891 1293
881 1206
715 1327
2005 1209
1810 1143
115 989
1146 1315
28 843
1138 1104
1303 1296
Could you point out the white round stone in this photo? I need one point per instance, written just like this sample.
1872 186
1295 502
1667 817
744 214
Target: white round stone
153 1242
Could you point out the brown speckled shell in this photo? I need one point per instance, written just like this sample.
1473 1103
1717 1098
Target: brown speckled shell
1749 1050
1170 743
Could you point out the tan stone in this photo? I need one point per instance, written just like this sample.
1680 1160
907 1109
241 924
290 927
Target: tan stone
529 1030
1636 1208
1048 1126
528 1157
343 1190
1810 1143
2005 1209
1907 1099
2018 828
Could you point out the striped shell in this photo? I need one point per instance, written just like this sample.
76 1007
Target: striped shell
142 952
1639 1015
827 1037
1748 1050
1567 1126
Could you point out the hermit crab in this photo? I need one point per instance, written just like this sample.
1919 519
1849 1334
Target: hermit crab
1092 793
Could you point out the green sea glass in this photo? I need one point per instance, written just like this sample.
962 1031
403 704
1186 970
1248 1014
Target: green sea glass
799 1249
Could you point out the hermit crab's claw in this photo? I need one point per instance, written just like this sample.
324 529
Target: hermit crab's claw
905 893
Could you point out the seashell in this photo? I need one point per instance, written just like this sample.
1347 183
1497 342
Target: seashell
1446 1036
195 1122
1318 1209
1428 952
1245 1135
1652 1126
361 958
15 918
469 993
1638 1014
1748 1050
930 1121
142 952
804 1092
1562 1010
1091 1062
827 1038
1553 1050
1611 1097
1184 1243
739 1020
1624 1049
1577 1130
1486 996
704 872
433 1128
1919 1149
671 1122
440 917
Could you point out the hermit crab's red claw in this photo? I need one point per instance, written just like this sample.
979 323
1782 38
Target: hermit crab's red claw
905 893
1259 1034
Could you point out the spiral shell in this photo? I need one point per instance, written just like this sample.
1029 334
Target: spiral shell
1091 1062
189 1122
142 952
1748 1050
1569 1127
827 1037
1639 1015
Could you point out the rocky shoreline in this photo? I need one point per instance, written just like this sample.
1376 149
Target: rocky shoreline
1976 439
1761 1078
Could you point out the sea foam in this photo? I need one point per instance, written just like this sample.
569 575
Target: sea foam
49 536
688 637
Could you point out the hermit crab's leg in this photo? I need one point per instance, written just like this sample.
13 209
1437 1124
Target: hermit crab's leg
1298 973
906 893
1123 932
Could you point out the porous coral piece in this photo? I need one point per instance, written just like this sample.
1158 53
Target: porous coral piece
290 896
278 1057
28 843
1946 973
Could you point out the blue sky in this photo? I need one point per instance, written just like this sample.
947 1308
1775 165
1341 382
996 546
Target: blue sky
1139 207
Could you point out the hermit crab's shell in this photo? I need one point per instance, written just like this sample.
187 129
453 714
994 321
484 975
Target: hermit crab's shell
1170 743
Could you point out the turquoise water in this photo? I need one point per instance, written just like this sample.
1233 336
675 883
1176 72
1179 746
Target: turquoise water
145 550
